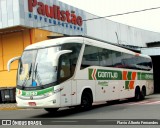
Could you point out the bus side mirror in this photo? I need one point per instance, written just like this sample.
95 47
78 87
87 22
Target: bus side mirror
10 61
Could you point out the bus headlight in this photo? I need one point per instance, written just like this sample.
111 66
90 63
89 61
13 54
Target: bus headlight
54 92
57 90
48 94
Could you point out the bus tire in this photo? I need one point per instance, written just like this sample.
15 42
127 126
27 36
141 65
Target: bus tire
51 110
137 94
143 93
86 101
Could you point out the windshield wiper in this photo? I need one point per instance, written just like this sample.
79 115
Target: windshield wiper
38 77
30 71
27 76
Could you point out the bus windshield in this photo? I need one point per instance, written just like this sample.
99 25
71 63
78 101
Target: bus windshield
36 67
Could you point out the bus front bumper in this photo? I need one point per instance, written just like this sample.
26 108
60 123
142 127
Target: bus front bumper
49 102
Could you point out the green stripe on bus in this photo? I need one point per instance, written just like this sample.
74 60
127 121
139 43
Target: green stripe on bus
127 84
146 76
129 75
90 74
37 92
139 76
102 74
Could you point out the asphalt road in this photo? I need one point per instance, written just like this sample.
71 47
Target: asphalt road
99 116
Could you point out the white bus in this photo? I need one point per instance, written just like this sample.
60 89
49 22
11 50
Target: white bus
80 71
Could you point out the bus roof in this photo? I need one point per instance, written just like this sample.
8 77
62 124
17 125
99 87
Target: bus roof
63 40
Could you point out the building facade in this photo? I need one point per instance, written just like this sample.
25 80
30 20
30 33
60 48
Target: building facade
25 22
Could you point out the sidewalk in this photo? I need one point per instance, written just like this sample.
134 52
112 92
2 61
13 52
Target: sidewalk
8 106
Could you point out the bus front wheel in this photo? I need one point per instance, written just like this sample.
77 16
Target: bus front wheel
86 101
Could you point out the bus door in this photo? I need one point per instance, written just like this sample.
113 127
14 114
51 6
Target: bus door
69 87
64 80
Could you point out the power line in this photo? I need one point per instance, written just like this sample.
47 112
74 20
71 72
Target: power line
126 13
119 14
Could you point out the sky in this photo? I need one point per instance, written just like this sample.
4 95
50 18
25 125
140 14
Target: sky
148 20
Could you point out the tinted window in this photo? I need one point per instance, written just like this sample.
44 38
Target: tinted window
117 59
64 68
105 57
90 57
136 62
73 57
94 56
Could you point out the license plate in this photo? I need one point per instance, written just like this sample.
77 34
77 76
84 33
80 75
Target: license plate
32 103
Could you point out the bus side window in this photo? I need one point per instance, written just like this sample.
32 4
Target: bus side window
105 56
117 59
75 47
64 70
90 57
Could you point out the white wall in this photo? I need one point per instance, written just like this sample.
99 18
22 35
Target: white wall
154 51
106 30
9 13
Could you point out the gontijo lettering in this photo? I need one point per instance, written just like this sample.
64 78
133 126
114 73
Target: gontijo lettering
100 74
108 74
